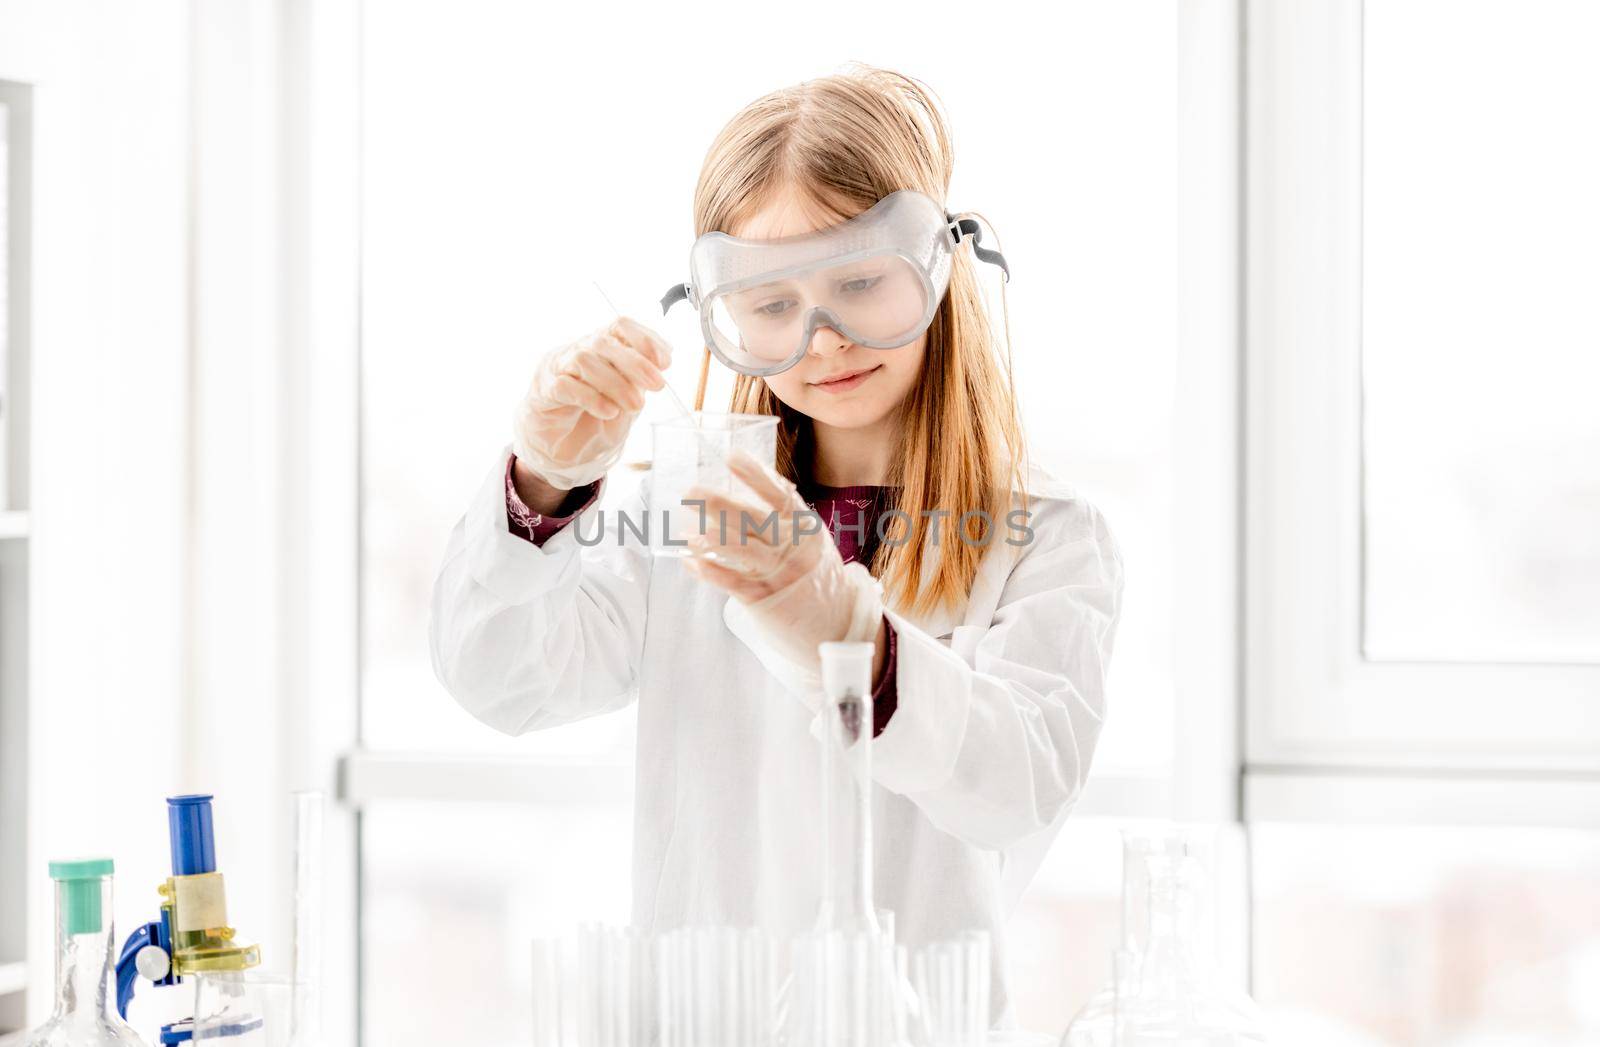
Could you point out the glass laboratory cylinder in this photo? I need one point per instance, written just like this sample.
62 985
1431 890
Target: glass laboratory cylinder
84 937
306 977
846 765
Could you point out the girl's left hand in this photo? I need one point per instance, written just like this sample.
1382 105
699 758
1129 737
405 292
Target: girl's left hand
773 554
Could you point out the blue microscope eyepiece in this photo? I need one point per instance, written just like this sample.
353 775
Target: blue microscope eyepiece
194 847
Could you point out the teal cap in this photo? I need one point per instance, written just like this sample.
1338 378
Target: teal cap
80 892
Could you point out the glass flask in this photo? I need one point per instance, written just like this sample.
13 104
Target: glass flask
84 959
848 985
846 762
1162 990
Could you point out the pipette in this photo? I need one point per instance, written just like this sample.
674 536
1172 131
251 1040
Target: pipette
682 409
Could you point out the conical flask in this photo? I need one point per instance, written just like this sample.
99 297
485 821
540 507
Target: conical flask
84 937
848 984
1163 991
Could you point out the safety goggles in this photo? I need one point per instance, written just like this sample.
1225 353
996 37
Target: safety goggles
877 279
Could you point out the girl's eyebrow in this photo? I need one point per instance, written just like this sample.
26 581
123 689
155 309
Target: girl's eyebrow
764 289
788 283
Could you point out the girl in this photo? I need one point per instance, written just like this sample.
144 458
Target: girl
897 425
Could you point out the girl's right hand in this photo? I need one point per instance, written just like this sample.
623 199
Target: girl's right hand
570 427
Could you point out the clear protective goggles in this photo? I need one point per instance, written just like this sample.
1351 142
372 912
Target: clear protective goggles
877 279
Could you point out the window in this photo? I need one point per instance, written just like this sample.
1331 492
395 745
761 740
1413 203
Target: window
1422 465
1479 333
1422 469
15 107
501 172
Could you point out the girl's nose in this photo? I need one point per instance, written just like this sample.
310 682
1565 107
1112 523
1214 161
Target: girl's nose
825 342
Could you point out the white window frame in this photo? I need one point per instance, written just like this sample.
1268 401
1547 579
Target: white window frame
1487 743
1204 781
20 922
1278 715
319 56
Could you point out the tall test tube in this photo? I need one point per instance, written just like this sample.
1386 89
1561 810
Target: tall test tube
306 979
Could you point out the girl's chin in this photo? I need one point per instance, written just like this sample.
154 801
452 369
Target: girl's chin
845 414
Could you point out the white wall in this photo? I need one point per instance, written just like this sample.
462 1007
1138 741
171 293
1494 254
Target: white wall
174 430
108 349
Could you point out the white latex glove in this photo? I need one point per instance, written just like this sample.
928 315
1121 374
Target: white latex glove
571 425
794 584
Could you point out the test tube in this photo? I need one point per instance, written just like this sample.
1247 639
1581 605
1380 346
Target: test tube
716 988
952 983
305 1016
547 993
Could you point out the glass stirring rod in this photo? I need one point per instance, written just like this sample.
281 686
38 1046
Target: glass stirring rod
682 409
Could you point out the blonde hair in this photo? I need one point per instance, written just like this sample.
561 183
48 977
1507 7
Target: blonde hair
841 143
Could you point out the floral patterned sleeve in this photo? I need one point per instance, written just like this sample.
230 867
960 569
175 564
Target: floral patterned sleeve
539 527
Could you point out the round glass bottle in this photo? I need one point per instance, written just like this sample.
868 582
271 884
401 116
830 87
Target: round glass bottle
84 958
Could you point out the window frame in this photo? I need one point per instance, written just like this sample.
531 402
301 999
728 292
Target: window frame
1314 701
319 171
1203 782
1278 716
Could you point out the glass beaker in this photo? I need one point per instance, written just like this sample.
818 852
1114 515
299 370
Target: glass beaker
245 1009
84 936
692 451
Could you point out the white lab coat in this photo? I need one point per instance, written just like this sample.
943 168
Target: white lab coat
1000 703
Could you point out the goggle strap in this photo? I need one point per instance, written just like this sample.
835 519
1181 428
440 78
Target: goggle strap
678 293
961 228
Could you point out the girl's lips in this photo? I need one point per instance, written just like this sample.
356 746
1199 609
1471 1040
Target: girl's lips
847 380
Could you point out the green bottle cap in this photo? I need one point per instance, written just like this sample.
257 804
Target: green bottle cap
80 892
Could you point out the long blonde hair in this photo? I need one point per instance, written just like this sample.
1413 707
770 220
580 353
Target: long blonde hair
841 143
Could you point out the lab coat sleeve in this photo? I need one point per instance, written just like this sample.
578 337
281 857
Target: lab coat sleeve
993 734
526 637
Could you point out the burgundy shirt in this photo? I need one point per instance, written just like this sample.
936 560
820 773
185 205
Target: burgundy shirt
852 515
